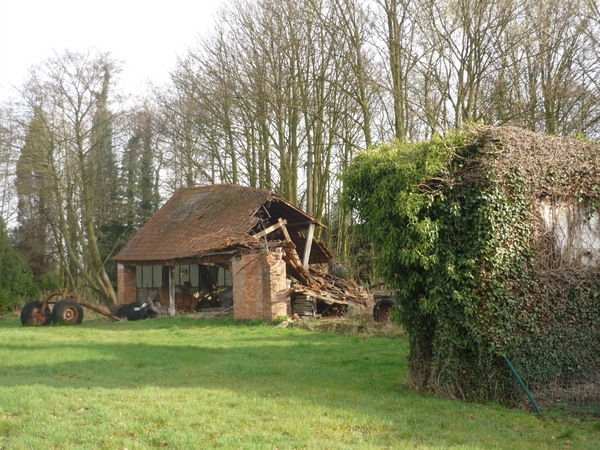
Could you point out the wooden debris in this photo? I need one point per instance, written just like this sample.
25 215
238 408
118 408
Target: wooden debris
304 305
323 287
272 228
315 286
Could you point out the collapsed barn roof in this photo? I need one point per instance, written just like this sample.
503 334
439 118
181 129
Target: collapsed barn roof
203 220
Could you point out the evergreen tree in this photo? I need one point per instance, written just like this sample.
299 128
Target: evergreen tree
106 183
141 171
16 278
34 198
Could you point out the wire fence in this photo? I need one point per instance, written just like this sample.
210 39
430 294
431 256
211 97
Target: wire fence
575 392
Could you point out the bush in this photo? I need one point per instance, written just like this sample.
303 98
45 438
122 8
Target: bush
280 319
457 236
47 282
16 278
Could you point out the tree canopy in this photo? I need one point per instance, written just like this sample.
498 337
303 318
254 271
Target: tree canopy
279 94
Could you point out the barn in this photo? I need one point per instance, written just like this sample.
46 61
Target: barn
227 244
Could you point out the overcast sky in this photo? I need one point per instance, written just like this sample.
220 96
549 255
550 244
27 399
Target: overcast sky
146 35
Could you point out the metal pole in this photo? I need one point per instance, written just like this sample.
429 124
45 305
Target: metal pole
516 374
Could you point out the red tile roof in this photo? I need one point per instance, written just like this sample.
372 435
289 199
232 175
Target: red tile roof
199 220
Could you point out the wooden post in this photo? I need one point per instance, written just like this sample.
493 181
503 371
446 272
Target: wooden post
308 245
171 290
285 230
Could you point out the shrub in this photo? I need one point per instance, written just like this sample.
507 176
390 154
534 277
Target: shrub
456 226
280 319
47 282
16 278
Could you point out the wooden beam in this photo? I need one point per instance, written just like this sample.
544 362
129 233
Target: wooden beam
272 228
304 224
294 265
285 230
290 249
206 259
308 245
171 290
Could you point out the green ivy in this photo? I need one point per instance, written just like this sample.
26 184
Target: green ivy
458 244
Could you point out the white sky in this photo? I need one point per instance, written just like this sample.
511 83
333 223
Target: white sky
146 35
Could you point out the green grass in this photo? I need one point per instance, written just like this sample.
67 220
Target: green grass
187 384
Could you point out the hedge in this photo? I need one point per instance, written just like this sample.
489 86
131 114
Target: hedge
479 272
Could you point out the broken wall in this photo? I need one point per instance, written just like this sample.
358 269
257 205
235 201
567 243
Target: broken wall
569 235
259 286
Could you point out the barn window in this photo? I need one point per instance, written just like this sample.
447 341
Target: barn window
148 276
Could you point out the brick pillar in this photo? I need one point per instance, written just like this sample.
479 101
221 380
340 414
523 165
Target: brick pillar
275 297
259 286
126 284
247 286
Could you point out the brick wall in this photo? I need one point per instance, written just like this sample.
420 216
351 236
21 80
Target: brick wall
259 286
276 300
247 286
126 284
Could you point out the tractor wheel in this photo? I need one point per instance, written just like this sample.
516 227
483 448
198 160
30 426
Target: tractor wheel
68 311
382 311
30 314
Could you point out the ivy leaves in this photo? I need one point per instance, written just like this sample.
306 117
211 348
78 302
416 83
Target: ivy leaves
456 238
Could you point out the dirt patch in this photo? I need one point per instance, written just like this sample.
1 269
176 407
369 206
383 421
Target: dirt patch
364 327
212 313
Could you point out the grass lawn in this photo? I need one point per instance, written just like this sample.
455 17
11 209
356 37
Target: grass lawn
187 384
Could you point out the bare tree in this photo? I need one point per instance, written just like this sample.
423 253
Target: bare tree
67 96
10 140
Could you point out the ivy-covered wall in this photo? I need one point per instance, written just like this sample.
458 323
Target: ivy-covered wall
459 234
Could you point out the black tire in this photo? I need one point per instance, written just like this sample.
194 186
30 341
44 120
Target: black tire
121 310
382 311
135 311
67 311
30 314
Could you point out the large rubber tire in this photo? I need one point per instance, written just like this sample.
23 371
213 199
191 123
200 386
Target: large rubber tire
382 312
30 314
67 311
121 310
